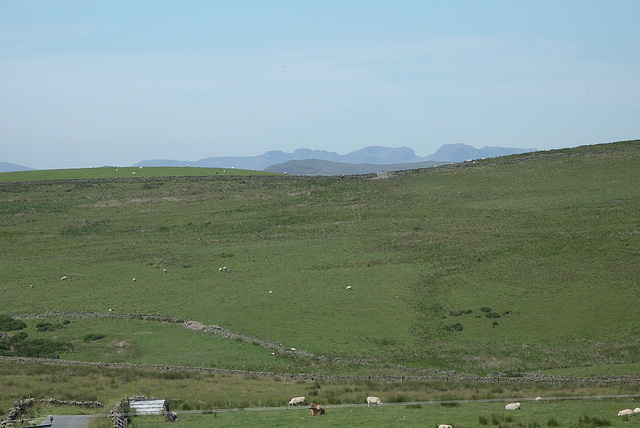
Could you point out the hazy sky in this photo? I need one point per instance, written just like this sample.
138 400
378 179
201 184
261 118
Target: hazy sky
92 83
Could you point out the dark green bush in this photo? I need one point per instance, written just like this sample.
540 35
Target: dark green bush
47 326
92 336
39 348
9 324
492 315
18 337
485 309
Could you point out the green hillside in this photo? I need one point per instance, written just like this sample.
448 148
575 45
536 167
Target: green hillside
522 263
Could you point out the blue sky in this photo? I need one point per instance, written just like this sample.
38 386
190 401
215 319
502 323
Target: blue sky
92 83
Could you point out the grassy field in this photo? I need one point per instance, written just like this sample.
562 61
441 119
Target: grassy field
196 396
516 264
533 414
121 173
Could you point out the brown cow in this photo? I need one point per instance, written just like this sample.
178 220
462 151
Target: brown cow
316 409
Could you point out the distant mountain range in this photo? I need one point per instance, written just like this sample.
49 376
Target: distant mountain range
378 158
320 162
10 167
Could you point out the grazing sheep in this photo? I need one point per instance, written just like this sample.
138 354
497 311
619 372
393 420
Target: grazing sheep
626 412
373 401
31 286
164 271
444 426
63 277
636 410
134 280
296 401
512 406
538 398
348 287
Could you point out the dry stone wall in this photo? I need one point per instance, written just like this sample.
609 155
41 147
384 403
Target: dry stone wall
427 376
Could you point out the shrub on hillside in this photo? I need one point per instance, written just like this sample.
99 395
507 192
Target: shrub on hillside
485 309
455 327
47 326
18 337
460 313
90 337
41 348
19 346
9 324
492 315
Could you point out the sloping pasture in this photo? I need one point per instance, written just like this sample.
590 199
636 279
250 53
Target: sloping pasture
546 244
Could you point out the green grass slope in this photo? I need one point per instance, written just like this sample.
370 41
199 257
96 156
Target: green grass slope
520 263
119 172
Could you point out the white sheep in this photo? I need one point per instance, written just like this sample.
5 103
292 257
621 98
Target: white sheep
31 286
63 277
164 271
626 412
512 406
444 426
134 279
348 287
374 401
295 401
